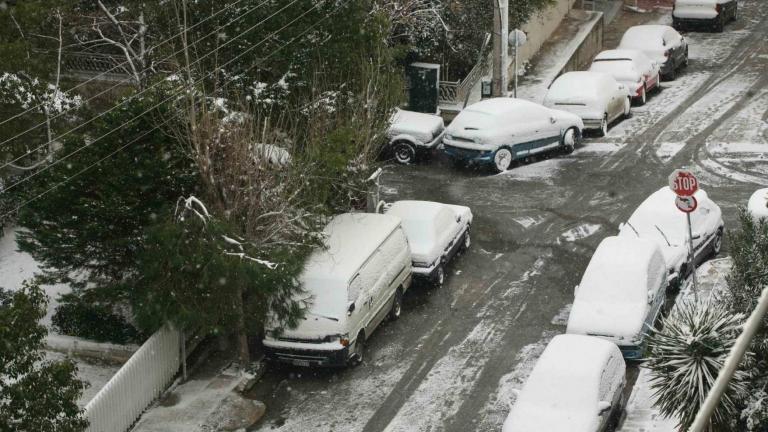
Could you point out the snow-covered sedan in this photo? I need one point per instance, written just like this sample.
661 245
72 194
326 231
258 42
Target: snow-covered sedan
758 204
436 232
575 386
710 13
595 97
661 44
633 69
411 134
621 293
659 220
500 130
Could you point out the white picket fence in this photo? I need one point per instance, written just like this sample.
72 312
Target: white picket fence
137 384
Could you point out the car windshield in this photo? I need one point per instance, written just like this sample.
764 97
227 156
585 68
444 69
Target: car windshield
420 233
620 69
470 119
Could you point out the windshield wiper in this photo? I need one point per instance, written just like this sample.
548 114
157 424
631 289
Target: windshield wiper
663 235
324 316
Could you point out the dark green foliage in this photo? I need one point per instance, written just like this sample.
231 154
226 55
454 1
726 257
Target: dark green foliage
77 317
687 352
35 394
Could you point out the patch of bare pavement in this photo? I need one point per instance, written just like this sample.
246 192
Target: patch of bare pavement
451 361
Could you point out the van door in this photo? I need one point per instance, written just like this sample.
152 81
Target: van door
356 296
395 260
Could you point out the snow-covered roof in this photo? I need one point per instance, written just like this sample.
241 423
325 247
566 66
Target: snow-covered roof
578 86
758 204
562 392
643 36
419 125
350 239
659 213
618 54
422 222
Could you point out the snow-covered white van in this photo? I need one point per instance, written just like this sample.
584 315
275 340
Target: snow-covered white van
350 287
711 13
621 293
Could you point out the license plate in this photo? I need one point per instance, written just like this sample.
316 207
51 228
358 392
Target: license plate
301 363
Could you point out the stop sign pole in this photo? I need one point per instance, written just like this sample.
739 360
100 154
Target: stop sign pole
684 184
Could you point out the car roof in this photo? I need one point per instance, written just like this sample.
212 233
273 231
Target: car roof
626 262
620 54
350 240
417 210
649 29
501 105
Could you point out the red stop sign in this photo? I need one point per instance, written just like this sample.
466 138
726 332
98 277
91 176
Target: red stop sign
683 183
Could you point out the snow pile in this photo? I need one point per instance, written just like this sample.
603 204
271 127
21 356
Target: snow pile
758 204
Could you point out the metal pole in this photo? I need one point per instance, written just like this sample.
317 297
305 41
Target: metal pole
691 258
701 422
500 47
517 45
183 355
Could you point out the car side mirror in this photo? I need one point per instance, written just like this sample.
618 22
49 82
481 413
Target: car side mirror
552 119
696 236
458 218
350 308
603 407
575 290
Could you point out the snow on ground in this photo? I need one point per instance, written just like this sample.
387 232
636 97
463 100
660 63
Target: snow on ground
641 416
580 232
529 221
96 374
542 171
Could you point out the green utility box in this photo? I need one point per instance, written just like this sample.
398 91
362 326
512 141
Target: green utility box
423 80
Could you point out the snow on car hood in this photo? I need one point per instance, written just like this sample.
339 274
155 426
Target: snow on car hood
610 319
696 9
423 127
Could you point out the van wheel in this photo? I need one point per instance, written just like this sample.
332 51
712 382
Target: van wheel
358 350
438 278
397 305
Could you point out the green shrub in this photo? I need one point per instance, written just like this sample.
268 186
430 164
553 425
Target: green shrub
94 321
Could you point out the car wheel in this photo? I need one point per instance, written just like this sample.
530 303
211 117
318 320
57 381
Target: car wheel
643 97
397 305
467 241
404 152
604 126
685 58
672 75
570 139
358 350
628 107
717 243
658 83
502 159
438 278
736 12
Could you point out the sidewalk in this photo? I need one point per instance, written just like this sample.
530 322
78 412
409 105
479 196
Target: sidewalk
641 415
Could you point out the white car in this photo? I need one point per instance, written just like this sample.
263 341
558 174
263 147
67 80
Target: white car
436 233
758 204
575 386
595 97
633 69
411 134
621 293
710 13
662 44
659 220
499 130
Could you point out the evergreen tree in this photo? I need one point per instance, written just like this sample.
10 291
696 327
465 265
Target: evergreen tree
35 394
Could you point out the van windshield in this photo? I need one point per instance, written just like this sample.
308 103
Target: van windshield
324 298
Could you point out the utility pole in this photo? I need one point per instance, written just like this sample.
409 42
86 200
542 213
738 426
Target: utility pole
500 47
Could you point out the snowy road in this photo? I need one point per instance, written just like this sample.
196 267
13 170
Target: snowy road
451 361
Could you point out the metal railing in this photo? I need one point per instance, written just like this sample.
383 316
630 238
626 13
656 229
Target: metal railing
137 384
455 92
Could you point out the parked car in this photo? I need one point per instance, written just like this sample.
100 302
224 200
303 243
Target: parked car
351 285
500 130
575 386
413 134
633 69
758 204
595 97
658 219
710 13
436 233
621 293
271 154
661 44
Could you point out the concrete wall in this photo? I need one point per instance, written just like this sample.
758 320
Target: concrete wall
541 26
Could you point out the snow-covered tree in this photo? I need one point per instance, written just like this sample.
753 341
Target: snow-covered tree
687 351
35 394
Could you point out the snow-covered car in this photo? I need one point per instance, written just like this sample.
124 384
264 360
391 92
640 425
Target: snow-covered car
499 130
662 44
411 134
436 233
758 204
633 69
710 13
595 97
272 154
575 386
350 286
659 220
621 293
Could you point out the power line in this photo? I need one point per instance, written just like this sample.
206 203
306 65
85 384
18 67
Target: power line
156 84
173 94
142 71
61 183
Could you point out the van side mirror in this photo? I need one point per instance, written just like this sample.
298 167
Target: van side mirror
350 308
603 407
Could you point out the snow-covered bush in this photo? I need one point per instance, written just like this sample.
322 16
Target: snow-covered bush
687 351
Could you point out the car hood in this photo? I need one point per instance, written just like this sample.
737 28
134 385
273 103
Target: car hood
421 126
528 418
607 319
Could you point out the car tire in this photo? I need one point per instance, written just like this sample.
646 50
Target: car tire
438 277
570 140
397 305
404 152
717 243
643 96
466 241
628 107
672 75
658 87
502 159
358 352
735 12
603 131
685 59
